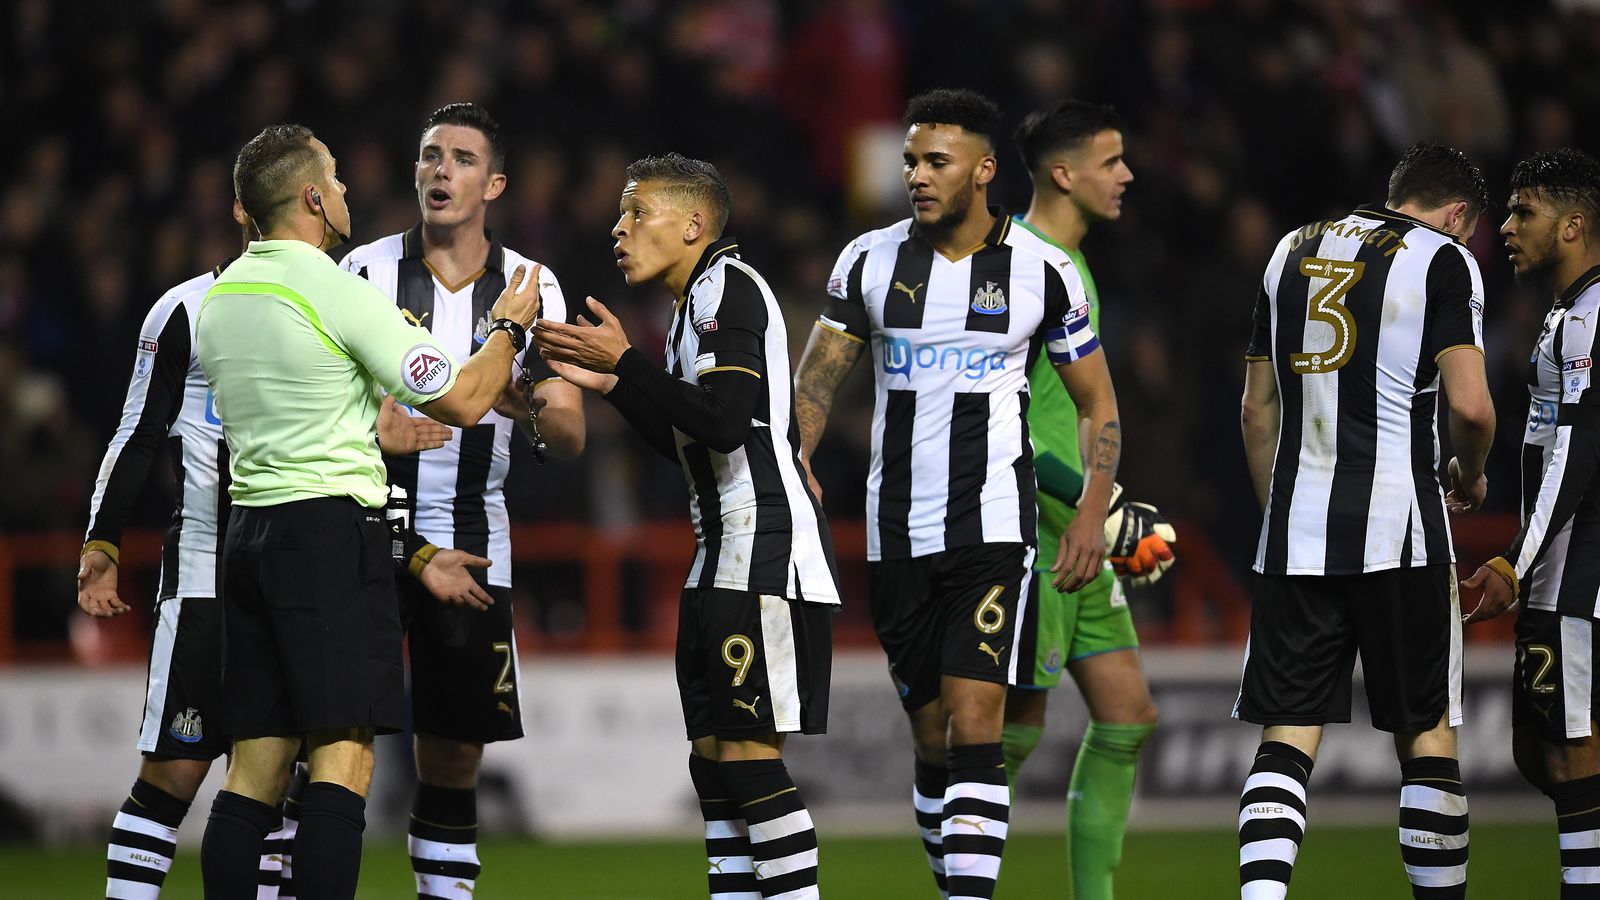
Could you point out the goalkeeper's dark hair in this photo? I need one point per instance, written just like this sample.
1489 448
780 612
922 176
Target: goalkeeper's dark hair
972 111
693 179
1060 127
270 169
1433 175
1566 177
471 115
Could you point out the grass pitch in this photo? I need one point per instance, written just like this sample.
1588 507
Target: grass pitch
1508 863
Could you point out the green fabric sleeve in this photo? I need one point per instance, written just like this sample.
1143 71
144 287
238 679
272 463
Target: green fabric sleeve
1057 478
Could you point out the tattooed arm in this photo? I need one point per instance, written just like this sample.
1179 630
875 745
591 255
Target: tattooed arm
1083 544
828 358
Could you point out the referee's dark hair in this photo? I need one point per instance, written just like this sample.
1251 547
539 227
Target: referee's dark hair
975 113
1434 175
695 179
270 168
1566 177
471 115
1062 126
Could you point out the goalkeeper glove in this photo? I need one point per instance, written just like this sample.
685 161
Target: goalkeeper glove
1139 540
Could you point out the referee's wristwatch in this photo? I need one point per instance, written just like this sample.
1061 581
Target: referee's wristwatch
513 330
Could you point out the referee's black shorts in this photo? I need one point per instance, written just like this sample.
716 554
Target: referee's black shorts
311 621
1305 632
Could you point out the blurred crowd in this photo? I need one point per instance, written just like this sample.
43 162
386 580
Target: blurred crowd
1244 118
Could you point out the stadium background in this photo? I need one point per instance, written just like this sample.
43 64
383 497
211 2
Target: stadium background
1244 118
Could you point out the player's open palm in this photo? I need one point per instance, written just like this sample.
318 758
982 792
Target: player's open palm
97 586
1082 553
448 576
519 302
399 433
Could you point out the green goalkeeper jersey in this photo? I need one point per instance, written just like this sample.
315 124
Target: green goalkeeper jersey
1052 416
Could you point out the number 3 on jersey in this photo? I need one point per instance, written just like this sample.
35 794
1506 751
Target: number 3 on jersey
1327 306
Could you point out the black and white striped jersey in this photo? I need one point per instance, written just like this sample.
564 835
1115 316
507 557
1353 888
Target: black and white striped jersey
457 490
168 400
952 342
757 527
1557 552
1354 314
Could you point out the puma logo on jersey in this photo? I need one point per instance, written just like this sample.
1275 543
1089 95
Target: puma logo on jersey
909 291
975 824
413 318
751 706
1581 320
984 646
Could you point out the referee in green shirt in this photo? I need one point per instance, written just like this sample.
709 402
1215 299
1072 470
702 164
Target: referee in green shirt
299 354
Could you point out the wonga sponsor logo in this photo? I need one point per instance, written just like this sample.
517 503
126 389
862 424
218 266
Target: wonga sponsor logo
900 356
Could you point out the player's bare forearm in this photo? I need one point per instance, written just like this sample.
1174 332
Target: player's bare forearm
828 358
561 421
1088 382
1472 420
1259 413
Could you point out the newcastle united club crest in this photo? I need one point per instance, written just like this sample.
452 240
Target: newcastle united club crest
989 300
186 726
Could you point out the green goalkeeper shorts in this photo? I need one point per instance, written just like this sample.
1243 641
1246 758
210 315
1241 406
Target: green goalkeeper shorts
1060 628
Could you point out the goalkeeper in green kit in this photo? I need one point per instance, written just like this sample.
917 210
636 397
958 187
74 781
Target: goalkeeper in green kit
1073 151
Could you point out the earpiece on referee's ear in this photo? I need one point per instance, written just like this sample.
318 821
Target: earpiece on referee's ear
316 198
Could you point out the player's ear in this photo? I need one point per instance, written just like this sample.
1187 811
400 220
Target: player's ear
497 186
1061 175
694 226
986 169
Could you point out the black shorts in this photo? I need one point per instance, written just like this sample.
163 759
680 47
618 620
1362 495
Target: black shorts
958 612
464 681
1554 681
753 664
1305 631
183 691
311 620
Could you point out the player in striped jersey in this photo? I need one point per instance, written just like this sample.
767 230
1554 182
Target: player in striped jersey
445 274
1553 238
169 401
956 316
1073 150
755 623
1358 322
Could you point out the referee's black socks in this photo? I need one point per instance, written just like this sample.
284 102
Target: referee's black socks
144 837
327 849
443 841
230 853
783 842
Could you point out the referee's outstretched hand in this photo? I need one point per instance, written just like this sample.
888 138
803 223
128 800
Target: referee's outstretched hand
97 586
447 577
1497 596
515 303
